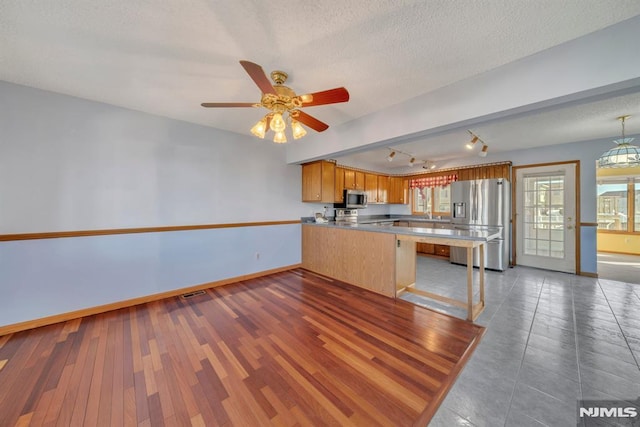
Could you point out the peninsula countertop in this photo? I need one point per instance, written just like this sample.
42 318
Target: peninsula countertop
481 235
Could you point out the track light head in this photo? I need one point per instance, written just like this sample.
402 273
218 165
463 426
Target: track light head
391 156
483 152
472 143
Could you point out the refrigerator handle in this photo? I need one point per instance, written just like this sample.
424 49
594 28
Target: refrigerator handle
474 197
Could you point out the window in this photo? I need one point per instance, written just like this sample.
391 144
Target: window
636 205
618 202
612 206
431 200
421 201
442 200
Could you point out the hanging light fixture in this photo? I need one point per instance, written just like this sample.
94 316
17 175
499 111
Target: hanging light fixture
483 152
260 128
276 122
624 155
297 130
279 137
391 156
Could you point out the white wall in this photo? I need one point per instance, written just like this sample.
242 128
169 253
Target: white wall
572 71
70 164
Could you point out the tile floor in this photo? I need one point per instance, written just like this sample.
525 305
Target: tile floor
552 338
623 268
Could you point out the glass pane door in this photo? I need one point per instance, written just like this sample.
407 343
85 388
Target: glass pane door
545 217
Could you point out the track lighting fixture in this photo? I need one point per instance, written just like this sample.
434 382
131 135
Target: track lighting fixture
391 156
412 159
429 165
472 143
474 140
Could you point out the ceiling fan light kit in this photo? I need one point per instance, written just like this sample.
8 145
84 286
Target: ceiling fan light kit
623 155
279 100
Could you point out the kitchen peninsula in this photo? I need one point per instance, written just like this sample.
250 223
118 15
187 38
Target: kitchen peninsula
382 257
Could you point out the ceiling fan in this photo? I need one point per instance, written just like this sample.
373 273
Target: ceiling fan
280 99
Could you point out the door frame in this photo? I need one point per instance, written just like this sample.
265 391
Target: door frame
576 192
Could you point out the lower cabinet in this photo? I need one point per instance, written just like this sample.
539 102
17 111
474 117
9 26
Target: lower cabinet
441 250
431 249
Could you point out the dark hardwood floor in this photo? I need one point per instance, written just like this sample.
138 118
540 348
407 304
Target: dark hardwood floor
291 348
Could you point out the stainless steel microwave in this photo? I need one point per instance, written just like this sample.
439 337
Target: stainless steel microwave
352 199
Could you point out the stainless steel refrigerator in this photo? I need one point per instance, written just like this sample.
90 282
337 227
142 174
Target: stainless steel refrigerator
483 204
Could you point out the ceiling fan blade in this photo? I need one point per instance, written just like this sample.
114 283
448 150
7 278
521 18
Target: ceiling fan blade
310 121
227 104
331 96
258 76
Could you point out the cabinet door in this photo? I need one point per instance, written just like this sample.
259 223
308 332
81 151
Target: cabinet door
398 189
318 181
312 182
353 180
359 180
371 187
442 250
339 186
425 248
383 189
349 179
328 182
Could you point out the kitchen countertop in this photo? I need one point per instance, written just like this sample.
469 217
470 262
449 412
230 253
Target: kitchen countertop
446 233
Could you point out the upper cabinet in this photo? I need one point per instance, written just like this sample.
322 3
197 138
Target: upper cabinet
318 182
371 187
383 189
324 182
353 180
398 190
339 185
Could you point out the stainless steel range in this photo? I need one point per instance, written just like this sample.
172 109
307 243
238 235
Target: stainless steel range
347 215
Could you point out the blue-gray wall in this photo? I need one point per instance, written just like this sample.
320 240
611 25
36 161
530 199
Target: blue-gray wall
69 164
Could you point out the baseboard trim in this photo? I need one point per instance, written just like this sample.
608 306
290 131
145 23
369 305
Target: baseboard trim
63 317
586 274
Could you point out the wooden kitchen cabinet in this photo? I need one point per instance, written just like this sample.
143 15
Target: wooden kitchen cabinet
339 185
371 187
398 190
318 182
425 248
353 180
431 249
441 250
383 189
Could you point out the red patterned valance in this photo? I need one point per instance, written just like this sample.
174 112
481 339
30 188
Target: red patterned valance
432 181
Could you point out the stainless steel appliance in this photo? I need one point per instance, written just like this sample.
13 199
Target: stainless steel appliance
352 199
347 216
483 204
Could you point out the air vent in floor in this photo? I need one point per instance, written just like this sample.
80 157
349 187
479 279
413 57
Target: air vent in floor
192 294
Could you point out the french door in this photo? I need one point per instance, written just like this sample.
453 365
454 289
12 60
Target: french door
545 217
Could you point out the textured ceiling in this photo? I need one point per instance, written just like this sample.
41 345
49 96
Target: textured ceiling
167 57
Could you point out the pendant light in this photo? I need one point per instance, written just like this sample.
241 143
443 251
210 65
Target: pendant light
624 155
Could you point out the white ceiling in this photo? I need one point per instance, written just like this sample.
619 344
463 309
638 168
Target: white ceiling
165 58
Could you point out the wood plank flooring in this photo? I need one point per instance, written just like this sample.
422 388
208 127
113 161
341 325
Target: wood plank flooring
291 348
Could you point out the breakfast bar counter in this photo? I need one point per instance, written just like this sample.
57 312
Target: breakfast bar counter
382 258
